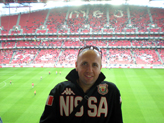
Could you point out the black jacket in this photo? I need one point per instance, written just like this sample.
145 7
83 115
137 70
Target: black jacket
103 106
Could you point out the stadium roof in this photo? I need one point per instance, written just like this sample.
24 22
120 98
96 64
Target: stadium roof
17 6
45 1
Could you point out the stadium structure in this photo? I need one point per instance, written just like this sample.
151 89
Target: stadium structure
129 36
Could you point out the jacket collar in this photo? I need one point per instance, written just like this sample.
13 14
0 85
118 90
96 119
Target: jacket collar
73 76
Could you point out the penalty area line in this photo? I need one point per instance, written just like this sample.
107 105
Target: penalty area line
3 85
5 82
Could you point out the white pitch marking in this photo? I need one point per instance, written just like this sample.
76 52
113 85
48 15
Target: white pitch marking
5 82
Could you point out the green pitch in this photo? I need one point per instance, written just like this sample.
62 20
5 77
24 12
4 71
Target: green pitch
142 93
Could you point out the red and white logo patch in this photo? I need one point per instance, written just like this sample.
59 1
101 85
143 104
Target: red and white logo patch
50 100
102 89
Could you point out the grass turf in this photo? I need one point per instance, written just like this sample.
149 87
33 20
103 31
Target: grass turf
142 92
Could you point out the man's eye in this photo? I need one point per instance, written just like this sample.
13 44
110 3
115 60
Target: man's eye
95 65
84 63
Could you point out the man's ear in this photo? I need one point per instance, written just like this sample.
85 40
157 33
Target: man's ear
76 65
100 68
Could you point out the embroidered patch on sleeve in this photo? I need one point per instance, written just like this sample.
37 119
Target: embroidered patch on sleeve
49 100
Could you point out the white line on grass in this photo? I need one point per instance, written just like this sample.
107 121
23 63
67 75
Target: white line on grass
10 77
5 82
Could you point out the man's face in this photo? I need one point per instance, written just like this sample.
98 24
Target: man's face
88 66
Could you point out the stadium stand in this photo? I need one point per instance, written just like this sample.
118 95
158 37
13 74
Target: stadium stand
32 21
143 43
56 20
158 17
161 53
119 43
139 18
160 43
127 35
47 56
68 56
8 22
77 19
51 43
118 18
146 56
24 56
27 43
104 56
5 56
97 18
120 56
73 43
8 44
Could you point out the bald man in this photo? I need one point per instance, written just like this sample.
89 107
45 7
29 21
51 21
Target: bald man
85 97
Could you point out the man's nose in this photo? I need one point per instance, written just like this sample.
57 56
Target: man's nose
89 69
